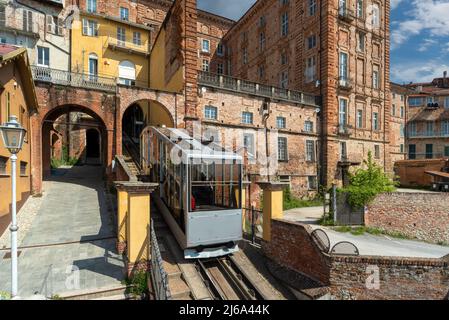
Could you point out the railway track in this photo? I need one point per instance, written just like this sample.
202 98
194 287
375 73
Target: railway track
226 281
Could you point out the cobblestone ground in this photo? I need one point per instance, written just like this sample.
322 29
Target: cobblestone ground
66 238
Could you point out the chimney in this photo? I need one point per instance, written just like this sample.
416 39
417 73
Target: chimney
444 74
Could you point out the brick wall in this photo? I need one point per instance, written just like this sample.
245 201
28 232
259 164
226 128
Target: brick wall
399 278
419 215
292 246
412 172
346 278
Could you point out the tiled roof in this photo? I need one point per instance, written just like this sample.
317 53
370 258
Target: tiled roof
7 48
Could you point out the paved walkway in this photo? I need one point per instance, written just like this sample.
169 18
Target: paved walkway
368 244
70 244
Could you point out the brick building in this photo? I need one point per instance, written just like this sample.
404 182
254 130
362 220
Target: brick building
336 49
428 119
398 120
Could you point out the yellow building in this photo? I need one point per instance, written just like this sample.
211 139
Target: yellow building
108 46
18 98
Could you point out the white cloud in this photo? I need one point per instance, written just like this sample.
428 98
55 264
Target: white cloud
425 15
418 71
395 3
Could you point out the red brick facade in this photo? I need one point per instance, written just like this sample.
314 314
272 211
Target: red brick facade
316 37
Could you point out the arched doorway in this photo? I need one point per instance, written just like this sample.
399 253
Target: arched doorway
80 136
93 146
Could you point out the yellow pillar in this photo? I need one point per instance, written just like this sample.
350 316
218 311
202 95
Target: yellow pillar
138 223
122 212
134 201
272 205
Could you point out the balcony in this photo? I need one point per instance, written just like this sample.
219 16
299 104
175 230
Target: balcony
345 83
346 14
243 86
128 47
424 156
66 78
344 130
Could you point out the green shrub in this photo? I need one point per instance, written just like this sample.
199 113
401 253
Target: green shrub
5 295
138 284
367 183
291 202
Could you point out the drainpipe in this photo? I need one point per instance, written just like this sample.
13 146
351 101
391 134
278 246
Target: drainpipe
267 152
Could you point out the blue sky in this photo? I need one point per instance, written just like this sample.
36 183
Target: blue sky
419 35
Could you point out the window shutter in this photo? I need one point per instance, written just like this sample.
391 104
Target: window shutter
30 21
50 24
85 27
60 26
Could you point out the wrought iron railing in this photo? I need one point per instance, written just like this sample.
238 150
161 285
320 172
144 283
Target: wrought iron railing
159 277
73 79
240 85
140 48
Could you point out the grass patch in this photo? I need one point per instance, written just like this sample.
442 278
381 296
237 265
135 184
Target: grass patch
291 202
360 230
326 220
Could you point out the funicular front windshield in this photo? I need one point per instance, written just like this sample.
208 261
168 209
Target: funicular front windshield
214 185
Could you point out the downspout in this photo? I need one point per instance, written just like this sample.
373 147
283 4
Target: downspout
322 115
267 152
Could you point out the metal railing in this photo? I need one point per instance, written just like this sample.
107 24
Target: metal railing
434 134
253 226
141 48
346 14
424 156
244 86
73 79
159 276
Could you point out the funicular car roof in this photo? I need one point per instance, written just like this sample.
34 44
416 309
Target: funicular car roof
192 148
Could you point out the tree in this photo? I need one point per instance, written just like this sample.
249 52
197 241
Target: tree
366 183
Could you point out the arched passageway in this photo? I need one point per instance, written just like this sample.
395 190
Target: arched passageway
138 116
72 134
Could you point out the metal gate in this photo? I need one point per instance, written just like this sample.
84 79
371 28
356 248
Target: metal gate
253 224
159 277
346 215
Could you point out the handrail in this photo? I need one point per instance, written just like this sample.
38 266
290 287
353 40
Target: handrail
73 79
244 86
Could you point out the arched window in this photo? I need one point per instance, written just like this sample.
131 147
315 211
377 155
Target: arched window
127 73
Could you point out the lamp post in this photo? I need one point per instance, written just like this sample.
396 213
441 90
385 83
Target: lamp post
13 135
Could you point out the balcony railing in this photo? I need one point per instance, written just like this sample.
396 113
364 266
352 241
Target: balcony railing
435 134
127 46
345 83
346 14
423 156
73 79
239 85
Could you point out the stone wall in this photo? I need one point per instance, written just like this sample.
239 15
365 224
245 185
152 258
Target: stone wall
424 216
357 278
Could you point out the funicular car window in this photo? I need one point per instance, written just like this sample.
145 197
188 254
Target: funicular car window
214 185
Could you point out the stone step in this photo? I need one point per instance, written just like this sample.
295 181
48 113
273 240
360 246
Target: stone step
179 289
98 294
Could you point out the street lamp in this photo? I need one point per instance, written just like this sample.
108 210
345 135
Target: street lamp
13 135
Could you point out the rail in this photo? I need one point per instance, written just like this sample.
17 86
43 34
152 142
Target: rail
73 79
423 156
244 86
159 276
132 148
227 281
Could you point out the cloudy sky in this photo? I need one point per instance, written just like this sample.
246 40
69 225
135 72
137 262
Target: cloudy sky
419 35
